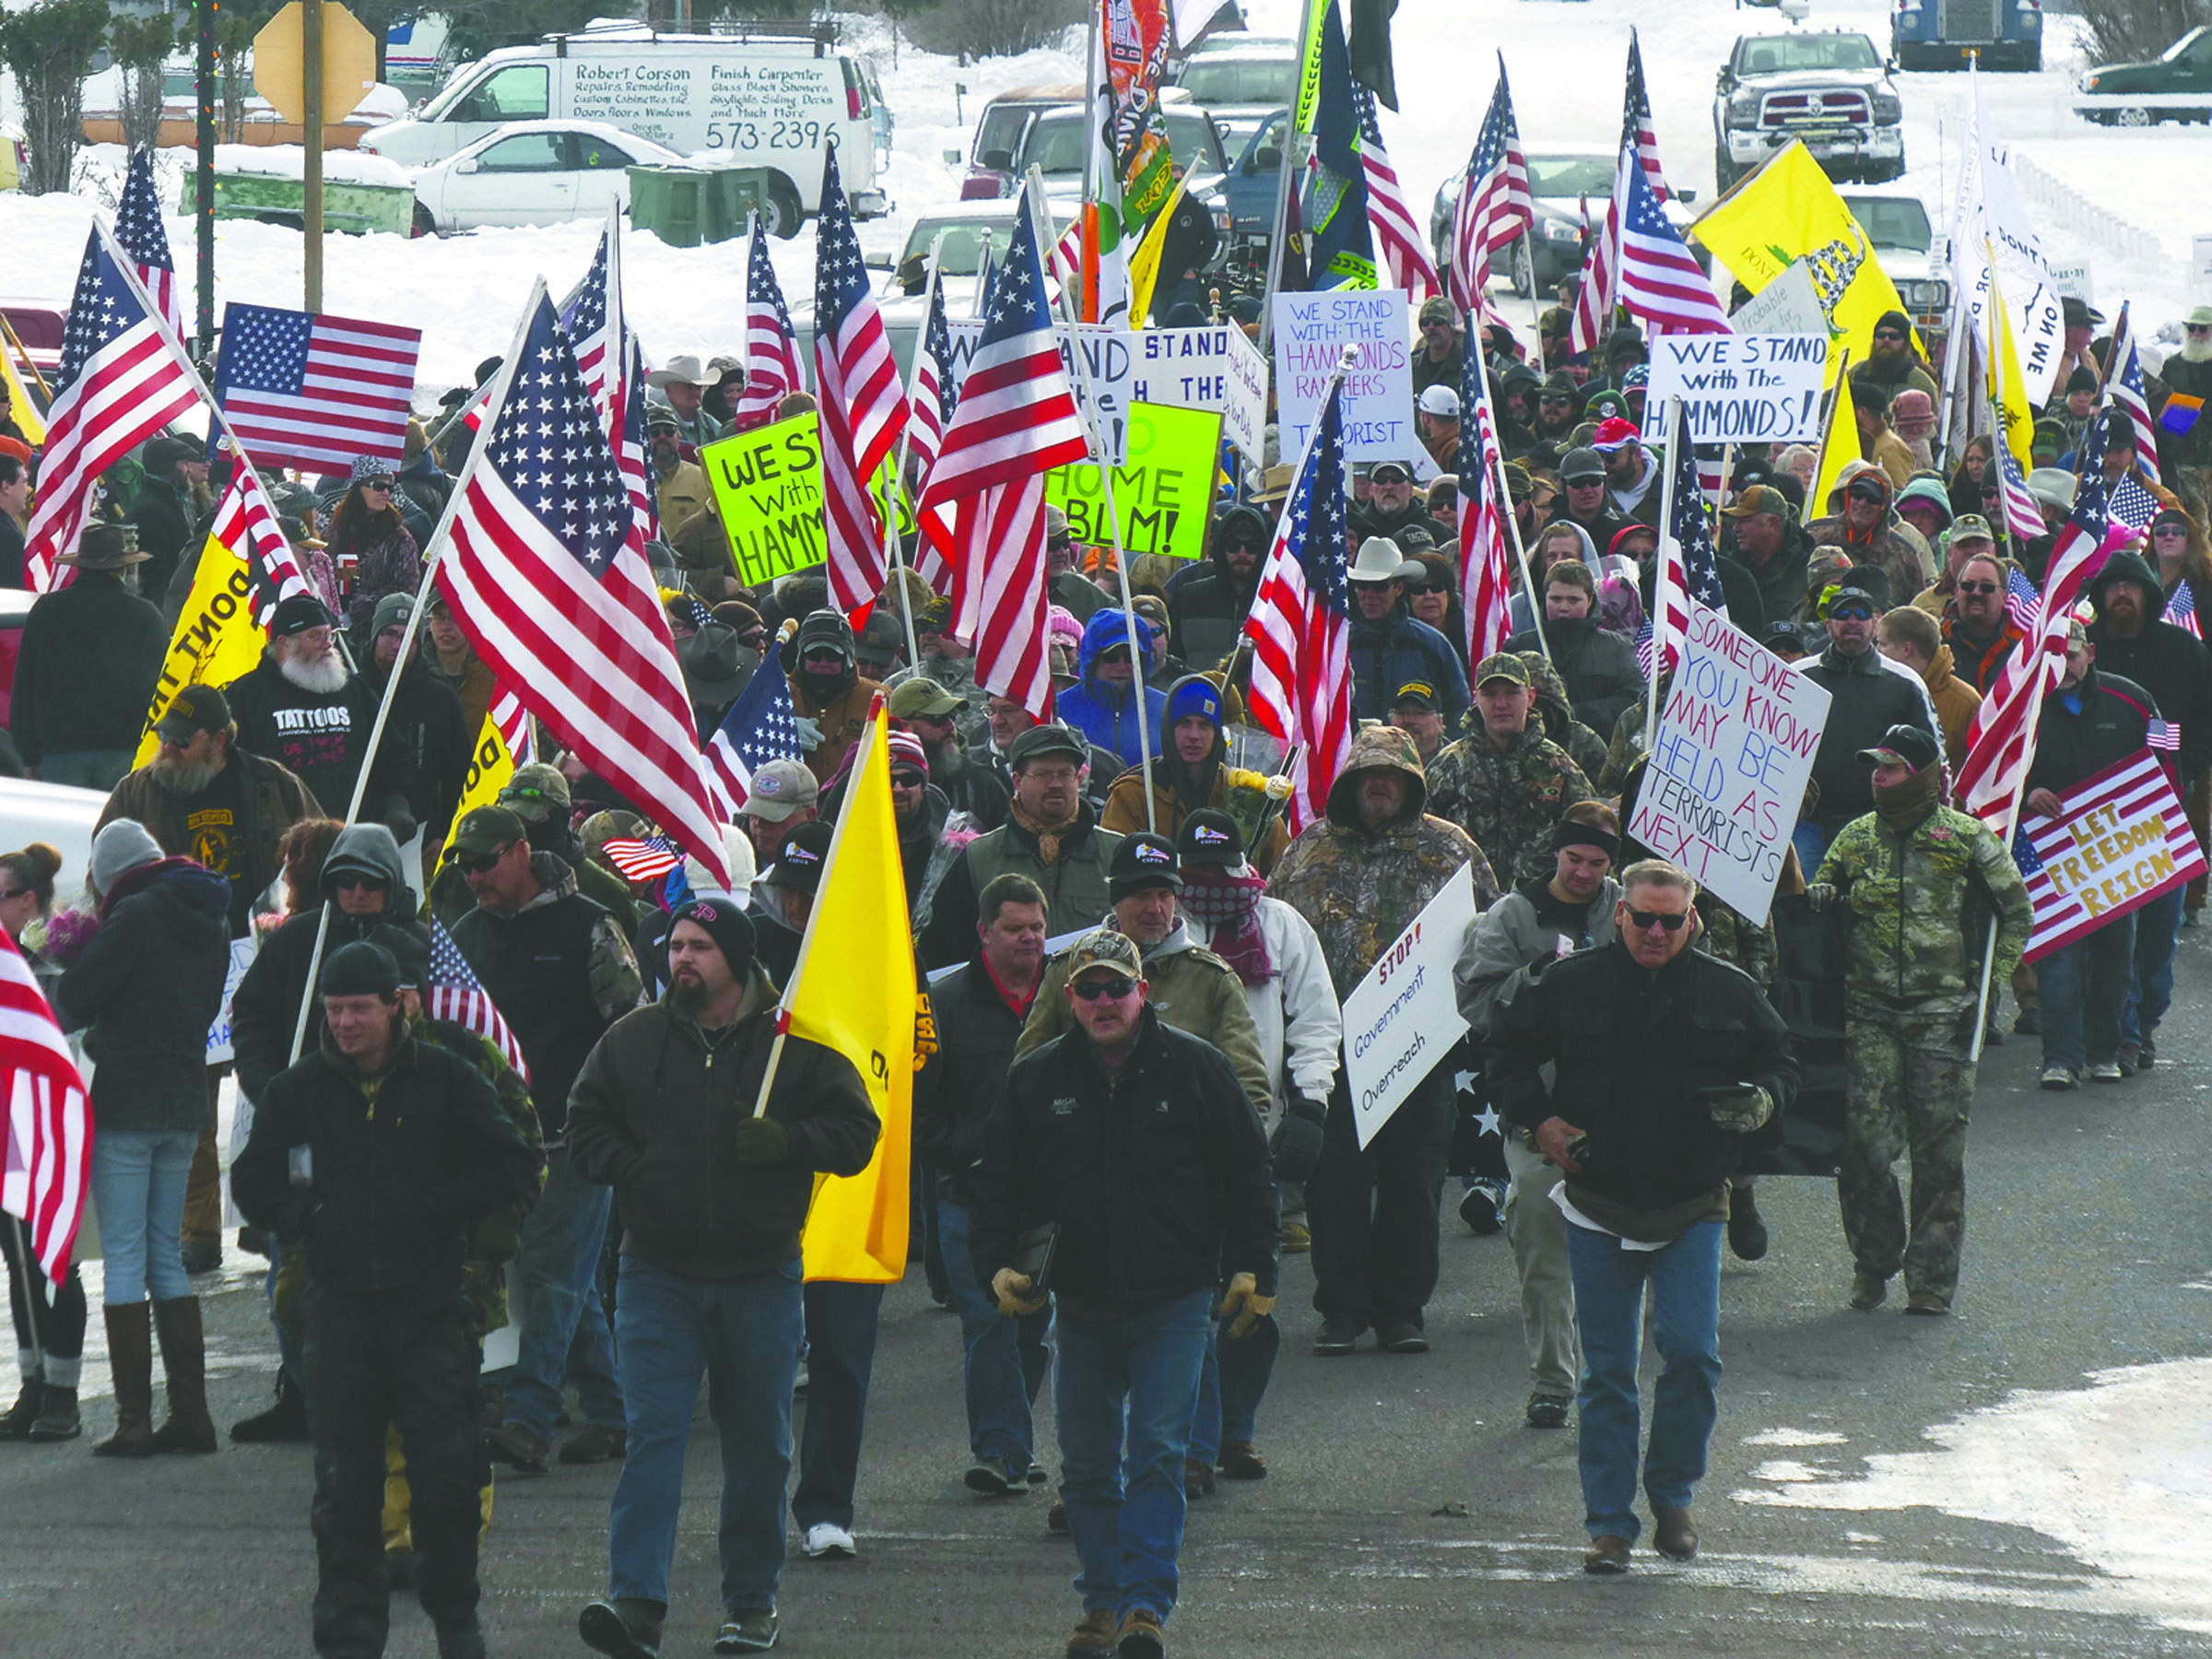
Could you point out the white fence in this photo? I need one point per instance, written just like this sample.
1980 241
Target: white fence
2098 225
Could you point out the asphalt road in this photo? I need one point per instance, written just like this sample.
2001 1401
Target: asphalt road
2030 1476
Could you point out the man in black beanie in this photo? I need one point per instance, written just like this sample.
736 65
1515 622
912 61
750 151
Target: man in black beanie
374 1155
714 1187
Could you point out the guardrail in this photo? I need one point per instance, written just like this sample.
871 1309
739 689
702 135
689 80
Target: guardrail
2099 226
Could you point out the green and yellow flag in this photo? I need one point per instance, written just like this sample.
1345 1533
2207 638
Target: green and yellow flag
854 990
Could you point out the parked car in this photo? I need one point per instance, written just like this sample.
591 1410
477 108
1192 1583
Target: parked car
1243 202
2175 86
1895 222
534 172
1942 34
57 814
1052 132
1562 179
1240 79
1829 87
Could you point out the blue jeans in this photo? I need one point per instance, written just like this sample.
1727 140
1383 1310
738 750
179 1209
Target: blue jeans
2083 988
742 1336
1006 1358
841 1353
2150 988
1232 1384
1137 1374
1686 1315
87 768
564 1327
138 1179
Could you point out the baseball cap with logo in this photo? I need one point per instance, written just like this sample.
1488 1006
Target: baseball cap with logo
1612 434
1971 527
1415 691
1209 839
800 857
1142 861
487 830
1905 746
193 710
1501 666
779 789
1105 949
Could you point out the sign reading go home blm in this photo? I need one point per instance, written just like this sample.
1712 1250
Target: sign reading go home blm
1729 765
1743 388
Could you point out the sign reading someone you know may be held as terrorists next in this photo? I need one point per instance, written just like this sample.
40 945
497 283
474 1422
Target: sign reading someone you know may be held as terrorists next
1727 772
1402 1019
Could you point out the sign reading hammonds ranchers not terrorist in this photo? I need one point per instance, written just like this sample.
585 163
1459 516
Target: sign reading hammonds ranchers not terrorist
2121 841
1402 1019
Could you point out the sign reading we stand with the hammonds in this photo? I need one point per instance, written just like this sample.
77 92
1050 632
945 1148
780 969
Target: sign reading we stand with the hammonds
1728 767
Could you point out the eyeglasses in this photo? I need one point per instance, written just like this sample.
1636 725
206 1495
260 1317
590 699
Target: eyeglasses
1093 990
380 484
2197 327
483 864
1646 920
1851 613
1115 654
2166 532
1888 333
904 779
354 879
1865 495
1978 587
1050 775
1060 541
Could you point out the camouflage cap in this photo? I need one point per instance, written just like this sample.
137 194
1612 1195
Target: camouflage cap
1105 949
1501 666
534 790
1543 676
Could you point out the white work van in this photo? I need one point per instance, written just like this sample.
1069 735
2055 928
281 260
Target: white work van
761 95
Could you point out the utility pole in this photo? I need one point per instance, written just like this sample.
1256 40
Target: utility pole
203 186
311 73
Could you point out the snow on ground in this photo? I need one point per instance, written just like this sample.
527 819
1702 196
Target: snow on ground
464 291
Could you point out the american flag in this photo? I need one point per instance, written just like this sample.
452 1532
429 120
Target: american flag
2124 390
139 229
612 367
310 390
1689 563
2021 600
1486 562
2133 792
1397 233
46 1164
457 994
641 858
2023 517
1659 280
771 345
542 577
1301 624
245 523
2164 735
123 377
1636 121
982 511
2132 504
936 396
517 731
1593 302
1494 209
761 727
2000 742
2181 610
862 404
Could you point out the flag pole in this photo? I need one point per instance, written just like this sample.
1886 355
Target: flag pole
440 540
1505 495
1535 298
1659 581
894 554
1033 200
1282 182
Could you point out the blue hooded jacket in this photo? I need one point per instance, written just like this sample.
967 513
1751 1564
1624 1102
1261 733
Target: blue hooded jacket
1104 712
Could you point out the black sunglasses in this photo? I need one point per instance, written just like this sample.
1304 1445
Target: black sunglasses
1888 333
1978 587
1848 613
1671 921
357 878
483 864
1094 989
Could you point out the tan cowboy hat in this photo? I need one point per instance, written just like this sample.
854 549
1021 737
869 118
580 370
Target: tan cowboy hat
682 367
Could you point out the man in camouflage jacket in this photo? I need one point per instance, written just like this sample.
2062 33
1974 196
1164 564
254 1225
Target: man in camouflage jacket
1360 874
1507 784
1922 881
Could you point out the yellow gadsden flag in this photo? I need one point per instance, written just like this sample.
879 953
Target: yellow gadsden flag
216 639
2008 397
1787 211
1839 451
490 769
854 990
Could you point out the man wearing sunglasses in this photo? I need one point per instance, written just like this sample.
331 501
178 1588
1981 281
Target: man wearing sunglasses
1862 520
1979 627
1892 364
1209 606
1869 694
1667 1066
1140 1145
560 971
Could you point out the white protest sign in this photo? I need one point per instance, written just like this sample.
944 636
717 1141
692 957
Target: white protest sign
1212 367
1104 397
218 1034
1789 304
2072 279
1310 333
1728 776
1402 1019
1743 388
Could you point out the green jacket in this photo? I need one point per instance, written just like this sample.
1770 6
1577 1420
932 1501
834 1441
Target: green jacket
1508 802
1920 909
1192 989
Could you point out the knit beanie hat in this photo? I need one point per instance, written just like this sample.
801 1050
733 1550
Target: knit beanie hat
361 969
725 923
123 846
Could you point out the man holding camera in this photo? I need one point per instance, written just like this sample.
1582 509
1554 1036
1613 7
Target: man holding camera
1667 1065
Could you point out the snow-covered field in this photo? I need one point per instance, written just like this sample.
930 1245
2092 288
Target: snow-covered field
1565 61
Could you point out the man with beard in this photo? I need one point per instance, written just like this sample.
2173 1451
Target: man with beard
1208 608
303 706
1559 410
680 488
1892 364
928 710
202 796
426 741
829 691
1979 629
1390 504
1631 474
713 1197
2189 371
1443 350
1188 773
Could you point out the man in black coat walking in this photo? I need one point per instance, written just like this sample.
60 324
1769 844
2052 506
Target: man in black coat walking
86 670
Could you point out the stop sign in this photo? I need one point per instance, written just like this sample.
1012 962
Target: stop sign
349 63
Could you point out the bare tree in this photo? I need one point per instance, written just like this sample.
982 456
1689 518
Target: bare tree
140 47
49 50
2127 31
993 28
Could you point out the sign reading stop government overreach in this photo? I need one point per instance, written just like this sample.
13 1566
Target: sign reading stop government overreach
1402 1019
